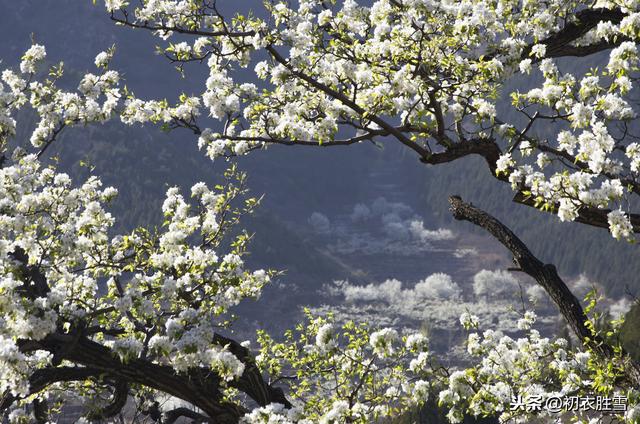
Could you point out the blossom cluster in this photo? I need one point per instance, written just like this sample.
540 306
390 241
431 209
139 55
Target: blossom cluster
157 294
96 99
590 106
334 362
531 366
347 372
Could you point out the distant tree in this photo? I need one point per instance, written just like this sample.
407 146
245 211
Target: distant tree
420 73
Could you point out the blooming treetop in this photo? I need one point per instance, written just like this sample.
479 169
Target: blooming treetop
349 373
426 74
78 302
154 298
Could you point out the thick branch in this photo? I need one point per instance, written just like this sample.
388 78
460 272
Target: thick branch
586 215
583 51
487 148
251 381
559 44
120 396
202 391
199 387
544 274
175 414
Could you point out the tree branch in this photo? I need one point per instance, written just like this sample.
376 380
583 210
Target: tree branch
200 387
42 378
175 414
369 135
196 388
181 30
120 396
559 44
251 381
545 275
399 135
487 148
586 215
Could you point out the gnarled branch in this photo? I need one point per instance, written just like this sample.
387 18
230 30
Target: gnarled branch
251 381
120 396
544 274
489 150
485 147
586 215
199 387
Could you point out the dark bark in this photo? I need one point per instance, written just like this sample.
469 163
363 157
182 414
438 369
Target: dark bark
42 378
559 44
40 411
545 275
199 387
175 414
586 215
251 381
489 150
120 396
34 282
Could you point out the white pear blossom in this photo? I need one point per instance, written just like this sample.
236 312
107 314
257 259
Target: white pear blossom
619 225
32 58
